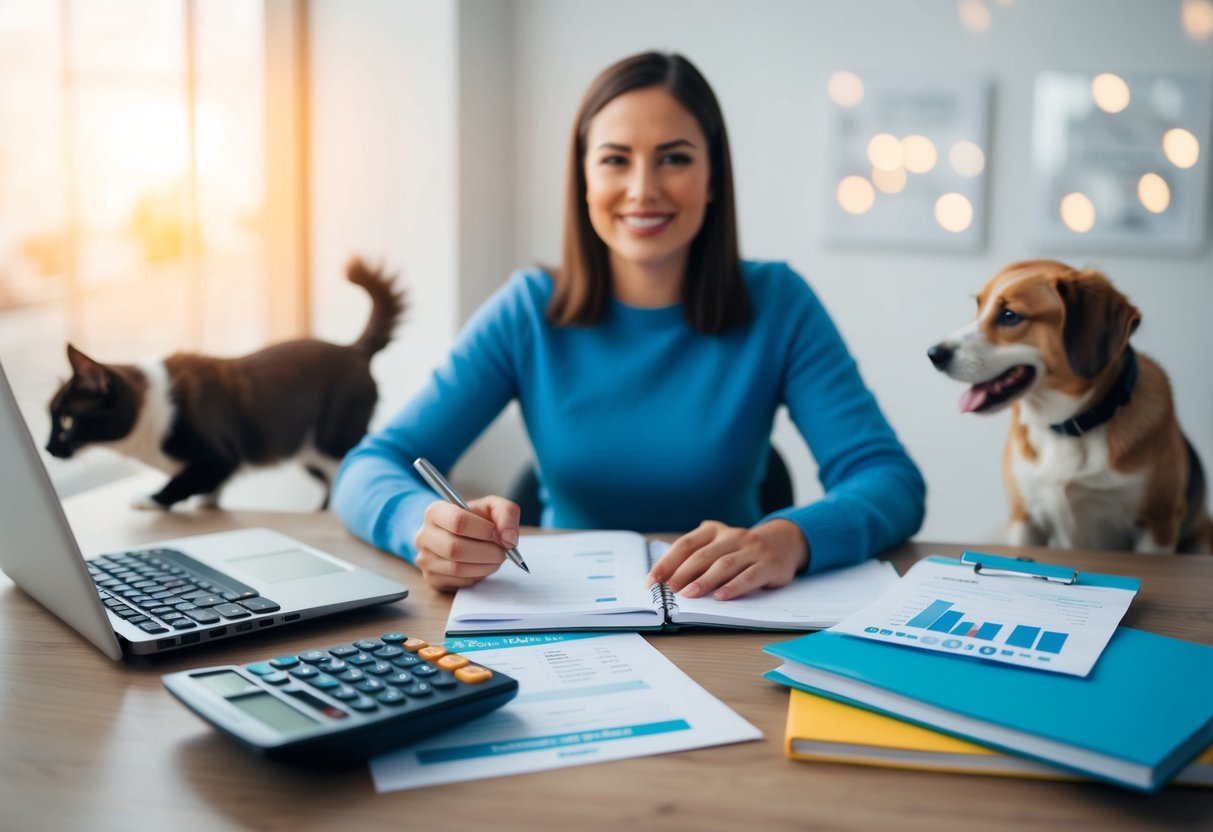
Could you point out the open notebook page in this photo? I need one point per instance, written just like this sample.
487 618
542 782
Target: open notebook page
807 603
572 575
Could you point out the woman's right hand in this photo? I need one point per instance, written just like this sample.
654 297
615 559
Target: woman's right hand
457 548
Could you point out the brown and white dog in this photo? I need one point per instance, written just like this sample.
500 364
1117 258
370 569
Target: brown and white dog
1095 458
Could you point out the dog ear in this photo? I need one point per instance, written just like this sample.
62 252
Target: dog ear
1098 321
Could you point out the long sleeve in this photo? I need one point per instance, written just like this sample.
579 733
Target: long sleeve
640 422
874 494
378 495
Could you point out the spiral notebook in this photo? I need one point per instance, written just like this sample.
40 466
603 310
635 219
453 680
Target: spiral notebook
589 581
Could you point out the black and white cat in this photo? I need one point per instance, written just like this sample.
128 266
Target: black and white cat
200 419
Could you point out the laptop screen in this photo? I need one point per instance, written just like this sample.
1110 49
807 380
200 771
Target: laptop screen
39 551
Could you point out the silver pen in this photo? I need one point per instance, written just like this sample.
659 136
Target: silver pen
438 482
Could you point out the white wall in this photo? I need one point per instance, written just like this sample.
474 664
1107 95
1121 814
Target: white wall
768 62
383 119
487 230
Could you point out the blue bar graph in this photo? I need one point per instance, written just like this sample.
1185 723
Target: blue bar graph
964 628
987 631
946 622
1051 642
928 616
941 617
1023 636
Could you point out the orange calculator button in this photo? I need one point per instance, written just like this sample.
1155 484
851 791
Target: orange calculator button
473 674
414 644
432 653
452 661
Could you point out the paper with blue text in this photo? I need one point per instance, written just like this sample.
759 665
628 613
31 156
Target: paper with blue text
583 698
945 606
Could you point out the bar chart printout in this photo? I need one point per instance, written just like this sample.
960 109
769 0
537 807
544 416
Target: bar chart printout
941 605
940 617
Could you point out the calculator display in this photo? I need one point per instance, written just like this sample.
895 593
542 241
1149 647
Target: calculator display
225 683
274 713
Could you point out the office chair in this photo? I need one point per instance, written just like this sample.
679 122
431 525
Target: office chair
774 492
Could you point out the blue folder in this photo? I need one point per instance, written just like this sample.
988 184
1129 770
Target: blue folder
1143 713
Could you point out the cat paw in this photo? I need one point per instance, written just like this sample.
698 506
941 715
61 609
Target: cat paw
146 502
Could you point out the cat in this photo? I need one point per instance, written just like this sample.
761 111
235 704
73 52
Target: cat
200 419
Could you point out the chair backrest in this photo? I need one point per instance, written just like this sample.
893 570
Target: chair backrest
774 492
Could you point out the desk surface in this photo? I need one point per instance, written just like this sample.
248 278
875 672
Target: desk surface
87 743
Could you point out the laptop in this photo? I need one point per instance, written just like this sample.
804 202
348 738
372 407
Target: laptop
161 596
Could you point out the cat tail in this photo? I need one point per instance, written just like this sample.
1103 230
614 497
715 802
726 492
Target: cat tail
387 305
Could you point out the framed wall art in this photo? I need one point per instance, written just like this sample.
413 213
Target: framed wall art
908 160
1120 161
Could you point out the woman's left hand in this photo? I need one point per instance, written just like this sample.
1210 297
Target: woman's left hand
728 562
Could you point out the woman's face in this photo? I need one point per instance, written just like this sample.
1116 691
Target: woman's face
647 180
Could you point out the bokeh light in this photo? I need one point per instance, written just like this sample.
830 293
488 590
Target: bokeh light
845 89
918 154
889 181
1154 193
1197 16
855 195
884 151
1078 212
953 212
1181 148
975 15
967 158
1110 92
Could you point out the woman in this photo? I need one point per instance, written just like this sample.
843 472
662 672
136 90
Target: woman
648 368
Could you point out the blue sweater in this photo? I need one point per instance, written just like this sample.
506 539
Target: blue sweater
640 422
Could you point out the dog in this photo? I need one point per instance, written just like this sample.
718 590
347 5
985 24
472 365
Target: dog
1095 458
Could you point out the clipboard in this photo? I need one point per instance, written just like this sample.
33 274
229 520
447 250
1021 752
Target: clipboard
1000 566
1005 610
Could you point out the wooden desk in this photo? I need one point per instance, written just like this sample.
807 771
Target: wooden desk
87 743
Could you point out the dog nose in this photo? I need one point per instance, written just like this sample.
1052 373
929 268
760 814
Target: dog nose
940 355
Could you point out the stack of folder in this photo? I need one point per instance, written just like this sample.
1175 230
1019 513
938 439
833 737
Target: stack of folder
830 731
1142 715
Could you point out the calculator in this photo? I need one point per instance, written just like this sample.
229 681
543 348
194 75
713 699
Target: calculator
338 705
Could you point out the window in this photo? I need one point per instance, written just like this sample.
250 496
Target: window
137 215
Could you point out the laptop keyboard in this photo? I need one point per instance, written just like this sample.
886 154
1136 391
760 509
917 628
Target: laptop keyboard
160 590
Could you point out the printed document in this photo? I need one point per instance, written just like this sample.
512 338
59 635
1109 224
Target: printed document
945 606
582 698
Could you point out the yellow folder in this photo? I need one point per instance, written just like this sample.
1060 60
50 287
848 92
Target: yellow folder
823 729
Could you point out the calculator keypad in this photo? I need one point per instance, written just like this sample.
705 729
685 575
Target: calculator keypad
452 662
348 700
365 675
473 675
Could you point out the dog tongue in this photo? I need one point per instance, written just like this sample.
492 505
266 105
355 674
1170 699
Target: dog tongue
974 398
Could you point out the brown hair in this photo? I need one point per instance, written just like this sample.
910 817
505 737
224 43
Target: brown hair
713 292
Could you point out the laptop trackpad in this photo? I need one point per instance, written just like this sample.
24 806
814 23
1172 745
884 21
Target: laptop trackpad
286 565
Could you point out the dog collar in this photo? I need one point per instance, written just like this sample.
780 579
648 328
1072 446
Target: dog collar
1119 395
